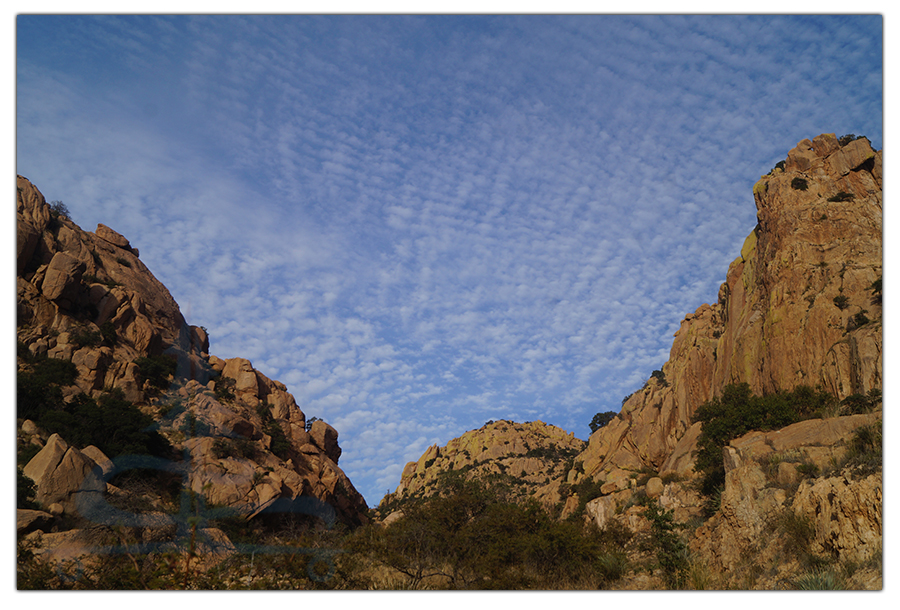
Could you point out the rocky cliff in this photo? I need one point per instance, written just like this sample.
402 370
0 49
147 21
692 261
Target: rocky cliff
236 437
800 306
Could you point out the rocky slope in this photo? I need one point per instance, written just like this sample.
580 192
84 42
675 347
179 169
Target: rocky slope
529 458
238 438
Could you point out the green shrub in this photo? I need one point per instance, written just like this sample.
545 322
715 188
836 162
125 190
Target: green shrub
859 319
111 423
39 387
661 377
157 369
808 470
85 337
841 196
468 537
841 302
671 551
59 210
737 412
237 448
797 532
671 477
602 419
25 491
846 139
108 332
864 449
26 451
876 291
820 580
799 184
280 444
225 389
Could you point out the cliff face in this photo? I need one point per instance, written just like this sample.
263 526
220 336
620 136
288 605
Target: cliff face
87 298
798 307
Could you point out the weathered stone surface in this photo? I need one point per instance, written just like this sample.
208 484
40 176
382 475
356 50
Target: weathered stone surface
847 514
33 215
99 458
747 505
533 452
116 239
249 483
59 472
69 270
326 438
62 276
28 521
601 509
392 518
822 440
654 487
99 276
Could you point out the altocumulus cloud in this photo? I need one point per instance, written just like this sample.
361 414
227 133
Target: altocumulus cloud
422 223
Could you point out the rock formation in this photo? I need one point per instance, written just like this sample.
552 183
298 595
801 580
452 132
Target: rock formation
530 457
800 306
242 439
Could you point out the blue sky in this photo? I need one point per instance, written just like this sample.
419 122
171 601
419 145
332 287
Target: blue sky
423 223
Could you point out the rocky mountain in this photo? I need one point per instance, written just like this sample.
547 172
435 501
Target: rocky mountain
87 304
751 460
529 459
801 307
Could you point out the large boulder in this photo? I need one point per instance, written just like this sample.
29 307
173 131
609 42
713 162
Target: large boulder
28 521
61 475
326 438
116 239
62 277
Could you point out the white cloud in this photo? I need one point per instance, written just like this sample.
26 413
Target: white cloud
418 226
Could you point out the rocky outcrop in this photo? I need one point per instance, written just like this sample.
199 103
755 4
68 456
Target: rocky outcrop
770 473
87 298
847 513
59 472
84 292
530 456
800 306
251 448
28 521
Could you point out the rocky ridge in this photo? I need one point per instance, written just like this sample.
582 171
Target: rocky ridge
530 458
87 298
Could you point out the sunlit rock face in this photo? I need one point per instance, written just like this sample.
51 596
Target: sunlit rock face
530 457
797 308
